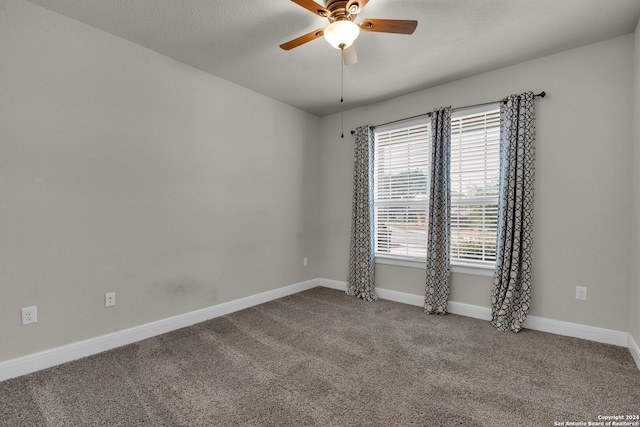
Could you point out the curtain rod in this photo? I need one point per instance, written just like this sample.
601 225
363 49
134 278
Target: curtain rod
541 95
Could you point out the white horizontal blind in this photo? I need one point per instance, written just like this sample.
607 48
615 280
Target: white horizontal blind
401 191
475 163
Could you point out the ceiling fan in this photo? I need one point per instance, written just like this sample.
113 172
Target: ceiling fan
342 31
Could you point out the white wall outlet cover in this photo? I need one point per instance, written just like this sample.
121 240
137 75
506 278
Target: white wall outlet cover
581 293
29 315
109 299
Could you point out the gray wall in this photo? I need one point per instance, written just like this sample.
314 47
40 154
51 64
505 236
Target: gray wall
634 301
583 181
123 170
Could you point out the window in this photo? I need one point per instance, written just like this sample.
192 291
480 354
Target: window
475 169
401 188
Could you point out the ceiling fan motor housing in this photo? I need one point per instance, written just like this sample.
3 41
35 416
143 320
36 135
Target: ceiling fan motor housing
339 11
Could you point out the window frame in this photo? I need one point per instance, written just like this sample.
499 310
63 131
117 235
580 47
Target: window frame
475 266
404 124
457 266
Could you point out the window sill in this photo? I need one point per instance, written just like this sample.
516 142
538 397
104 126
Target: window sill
401 262
473 270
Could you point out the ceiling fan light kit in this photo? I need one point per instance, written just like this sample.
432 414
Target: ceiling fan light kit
341 34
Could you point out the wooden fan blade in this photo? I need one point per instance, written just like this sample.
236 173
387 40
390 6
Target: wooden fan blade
349 55
313 7
356 6
302 39
397 26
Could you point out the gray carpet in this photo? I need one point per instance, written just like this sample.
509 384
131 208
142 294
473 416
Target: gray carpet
321 358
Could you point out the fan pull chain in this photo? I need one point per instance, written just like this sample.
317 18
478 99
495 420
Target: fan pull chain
342 89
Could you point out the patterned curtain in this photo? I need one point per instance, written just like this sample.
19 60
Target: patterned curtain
511 295
361 255
438 264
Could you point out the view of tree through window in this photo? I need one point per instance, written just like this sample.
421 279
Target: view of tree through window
401 188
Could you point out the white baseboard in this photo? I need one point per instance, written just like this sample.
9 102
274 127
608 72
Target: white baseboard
460 308
333 284
635 350
576 330
402 297
559 327
45 359
469 310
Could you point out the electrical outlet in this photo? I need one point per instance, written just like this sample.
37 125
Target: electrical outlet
109 299
581 293
305 262
29 315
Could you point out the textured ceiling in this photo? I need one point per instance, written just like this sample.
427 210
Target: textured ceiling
238 40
